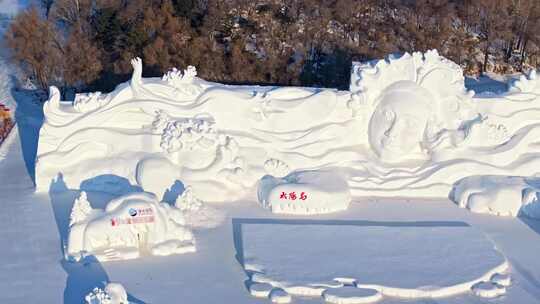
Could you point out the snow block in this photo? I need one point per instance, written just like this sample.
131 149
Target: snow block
130 225
305 192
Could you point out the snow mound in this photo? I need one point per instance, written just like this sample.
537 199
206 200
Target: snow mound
114 293
501 279
352 295
499 195
488 290
130 225
197 214
260 290
173 247
294 255
305 192
278 295
526 87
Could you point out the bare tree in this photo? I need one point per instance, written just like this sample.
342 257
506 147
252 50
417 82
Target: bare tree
71 12
493 23
303 42
47 4
35 46
82 63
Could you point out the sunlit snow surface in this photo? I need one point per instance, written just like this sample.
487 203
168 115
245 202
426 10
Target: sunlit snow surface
33 227
405 259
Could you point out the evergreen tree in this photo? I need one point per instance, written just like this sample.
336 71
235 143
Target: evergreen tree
80 210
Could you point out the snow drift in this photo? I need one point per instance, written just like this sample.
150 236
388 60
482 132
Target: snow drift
499 195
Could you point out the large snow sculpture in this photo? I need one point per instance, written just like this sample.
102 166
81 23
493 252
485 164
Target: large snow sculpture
129 226
154 132
407 127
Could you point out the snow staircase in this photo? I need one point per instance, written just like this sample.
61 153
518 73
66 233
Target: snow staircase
111 254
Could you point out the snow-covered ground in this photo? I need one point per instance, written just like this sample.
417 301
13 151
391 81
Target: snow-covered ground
34 228
12 7
33 269
304 257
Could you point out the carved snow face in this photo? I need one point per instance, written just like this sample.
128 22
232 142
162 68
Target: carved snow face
398 124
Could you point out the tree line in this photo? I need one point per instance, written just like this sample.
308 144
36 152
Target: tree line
87 44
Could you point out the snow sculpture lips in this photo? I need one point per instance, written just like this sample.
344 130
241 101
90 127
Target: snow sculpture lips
305 192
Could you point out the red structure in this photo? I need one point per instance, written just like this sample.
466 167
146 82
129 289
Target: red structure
6 122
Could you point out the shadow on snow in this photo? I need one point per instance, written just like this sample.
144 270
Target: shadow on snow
238 223
29 118
84 276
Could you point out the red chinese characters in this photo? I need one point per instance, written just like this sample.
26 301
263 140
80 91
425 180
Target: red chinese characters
292 196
